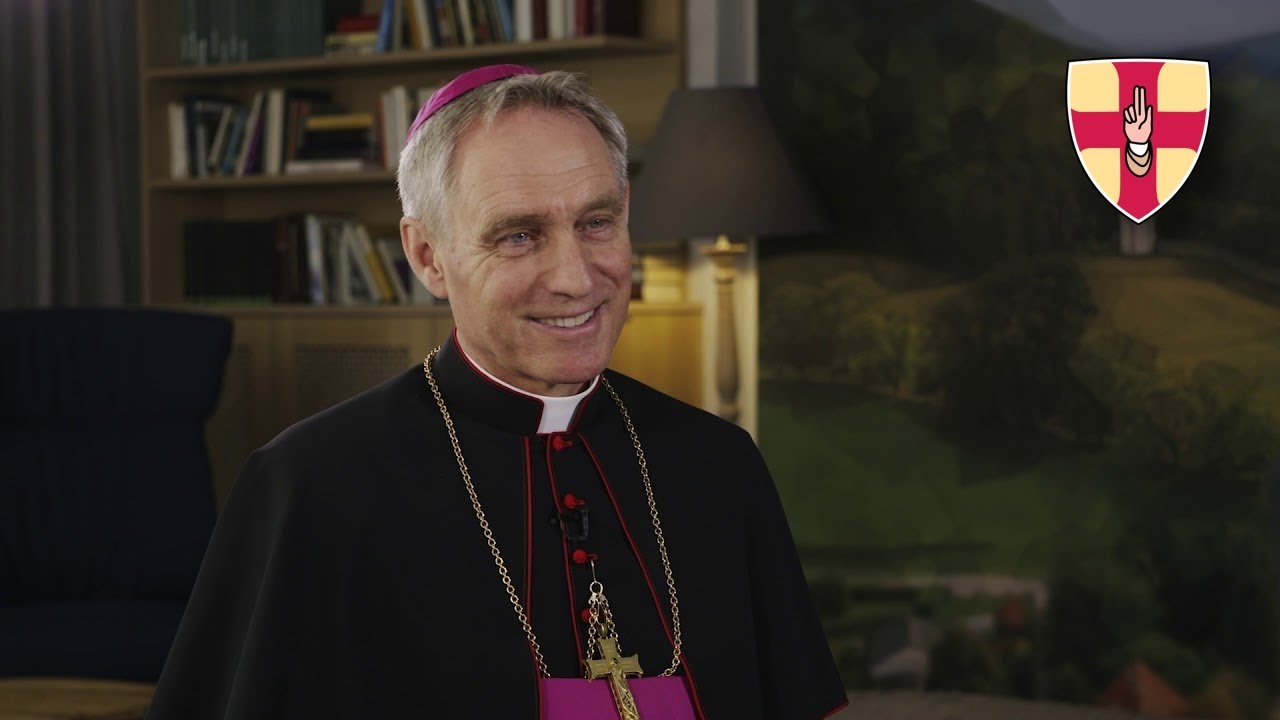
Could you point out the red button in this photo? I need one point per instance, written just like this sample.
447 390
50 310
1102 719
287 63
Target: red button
586 615
572 501
580 556
560 442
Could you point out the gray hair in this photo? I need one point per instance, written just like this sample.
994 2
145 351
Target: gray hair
427 174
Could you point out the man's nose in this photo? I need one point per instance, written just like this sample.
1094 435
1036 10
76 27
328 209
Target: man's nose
569 271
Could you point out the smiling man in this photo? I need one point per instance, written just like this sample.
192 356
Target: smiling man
508 530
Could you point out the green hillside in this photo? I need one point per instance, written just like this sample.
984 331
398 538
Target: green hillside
870 479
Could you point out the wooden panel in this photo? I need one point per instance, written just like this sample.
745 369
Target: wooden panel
662 347
321 361
372 203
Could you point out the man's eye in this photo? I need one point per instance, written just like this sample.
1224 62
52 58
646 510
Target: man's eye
519 238
598 224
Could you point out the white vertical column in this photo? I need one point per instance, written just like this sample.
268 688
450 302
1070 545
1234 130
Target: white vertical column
721 51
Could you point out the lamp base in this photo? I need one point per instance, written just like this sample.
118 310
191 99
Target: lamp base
725 255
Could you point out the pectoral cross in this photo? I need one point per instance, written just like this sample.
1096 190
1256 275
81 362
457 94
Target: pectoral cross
617 668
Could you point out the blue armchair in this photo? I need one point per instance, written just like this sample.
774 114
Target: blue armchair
106 501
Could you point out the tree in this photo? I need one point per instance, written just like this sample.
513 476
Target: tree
1006 346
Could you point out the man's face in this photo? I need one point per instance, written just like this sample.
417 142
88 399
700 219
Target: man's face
537 262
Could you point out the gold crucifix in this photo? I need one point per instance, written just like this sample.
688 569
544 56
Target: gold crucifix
617 668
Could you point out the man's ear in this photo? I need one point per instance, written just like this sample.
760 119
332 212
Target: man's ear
422 250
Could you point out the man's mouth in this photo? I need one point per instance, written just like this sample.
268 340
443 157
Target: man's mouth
567 322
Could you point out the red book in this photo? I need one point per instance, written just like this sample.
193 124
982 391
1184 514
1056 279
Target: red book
539 19
357 23
614 17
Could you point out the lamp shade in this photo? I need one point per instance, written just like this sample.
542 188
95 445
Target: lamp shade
715 167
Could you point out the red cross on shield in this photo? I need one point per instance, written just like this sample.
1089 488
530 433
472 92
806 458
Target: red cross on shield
1138 126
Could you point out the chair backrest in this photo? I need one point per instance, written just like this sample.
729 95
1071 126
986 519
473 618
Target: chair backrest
105 487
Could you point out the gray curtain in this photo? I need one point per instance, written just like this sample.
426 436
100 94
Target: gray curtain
69 194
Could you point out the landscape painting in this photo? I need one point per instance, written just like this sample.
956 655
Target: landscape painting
1024 444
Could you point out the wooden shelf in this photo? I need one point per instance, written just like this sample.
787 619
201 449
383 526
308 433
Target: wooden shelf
250 182
291 361
594 45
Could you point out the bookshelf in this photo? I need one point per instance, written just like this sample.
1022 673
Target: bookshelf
289 361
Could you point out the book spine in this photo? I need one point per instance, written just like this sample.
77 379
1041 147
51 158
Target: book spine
178 165
231 154
555 19
463 11
388 261
507 21
315 252
273 137
374 263
524 20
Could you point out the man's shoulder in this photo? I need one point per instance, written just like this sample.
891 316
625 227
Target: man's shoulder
671 416
366 421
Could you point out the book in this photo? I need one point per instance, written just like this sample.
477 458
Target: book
524 20
556 29
361 272
387 25
220 136
178 167
203 115
381 281
236 138
273 132
465 23
317 282
340 121
316 166
615 17
228 261
388 251
252 136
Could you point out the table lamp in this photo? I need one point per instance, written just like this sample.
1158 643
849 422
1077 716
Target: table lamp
715 168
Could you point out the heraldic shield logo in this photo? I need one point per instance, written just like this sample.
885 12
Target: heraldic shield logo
1138 126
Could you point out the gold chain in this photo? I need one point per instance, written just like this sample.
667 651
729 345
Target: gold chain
493 543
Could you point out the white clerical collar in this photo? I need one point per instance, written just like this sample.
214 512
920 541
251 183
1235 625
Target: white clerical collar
557 412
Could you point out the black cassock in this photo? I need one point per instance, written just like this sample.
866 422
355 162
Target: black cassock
348 576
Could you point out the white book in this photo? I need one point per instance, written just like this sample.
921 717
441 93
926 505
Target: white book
339 263
424 27
388 252
400 111
524 20
271 145
178 165
251 133
555 19
317 287
382 281
360 261
325 165
571 18
464 20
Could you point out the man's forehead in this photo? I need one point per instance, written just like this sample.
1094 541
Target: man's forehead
545 207
534 164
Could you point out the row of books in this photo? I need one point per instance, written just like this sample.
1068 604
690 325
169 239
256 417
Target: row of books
429 24
287 132
231 31
312 258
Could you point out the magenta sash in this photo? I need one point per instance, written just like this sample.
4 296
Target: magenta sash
657 698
